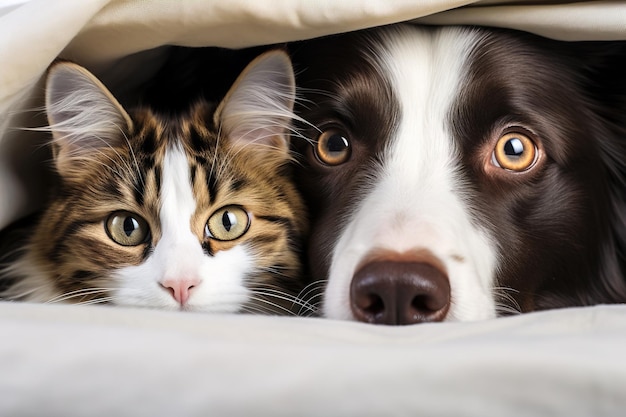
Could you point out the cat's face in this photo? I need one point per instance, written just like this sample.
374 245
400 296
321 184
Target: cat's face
195 213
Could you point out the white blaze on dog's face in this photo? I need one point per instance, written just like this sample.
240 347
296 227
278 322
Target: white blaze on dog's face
439 171
416 204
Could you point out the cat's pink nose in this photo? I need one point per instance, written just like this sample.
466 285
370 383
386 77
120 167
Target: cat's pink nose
180 289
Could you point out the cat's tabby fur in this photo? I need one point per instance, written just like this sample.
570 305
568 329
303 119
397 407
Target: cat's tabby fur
125 175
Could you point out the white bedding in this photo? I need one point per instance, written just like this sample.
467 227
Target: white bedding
80 361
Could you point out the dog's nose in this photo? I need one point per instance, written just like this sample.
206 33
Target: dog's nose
392 292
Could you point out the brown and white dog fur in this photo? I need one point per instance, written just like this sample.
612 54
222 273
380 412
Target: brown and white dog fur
461 173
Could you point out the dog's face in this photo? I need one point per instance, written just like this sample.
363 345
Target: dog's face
456 174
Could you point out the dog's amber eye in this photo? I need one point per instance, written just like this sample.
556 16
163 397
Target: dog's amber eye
333 147
515 152
127 229
228 223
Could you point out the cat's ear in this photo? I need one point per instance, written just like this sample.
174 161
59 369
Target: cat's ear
83 115
258 109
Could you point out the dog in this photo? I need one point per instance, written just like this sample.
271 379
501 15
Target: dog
462 173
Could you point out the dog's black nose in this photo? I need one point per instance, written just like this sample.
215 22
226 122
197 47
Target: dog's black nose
392 292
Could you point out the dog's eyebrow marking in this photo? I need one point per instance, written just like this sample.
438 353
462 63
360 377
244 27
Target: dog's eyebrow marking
458 258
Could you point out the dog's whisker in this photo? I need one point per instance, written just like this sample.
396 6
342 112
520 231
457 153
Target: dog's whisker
506 302
312 287
280 295
271 307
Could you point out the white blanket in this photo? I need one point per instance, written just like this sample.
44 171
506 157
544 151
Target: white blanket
71 361
81 361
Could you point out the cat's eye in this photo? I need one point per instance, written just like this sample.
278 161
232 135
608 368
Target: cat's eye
515 152
127 229
333 147
228 223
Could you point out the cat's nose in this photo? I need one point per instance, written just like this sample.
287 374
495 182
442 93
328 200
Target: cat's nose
179 288
392 292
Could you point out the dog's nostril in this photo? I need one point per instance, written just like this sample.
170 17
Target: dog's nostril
432 304
422 302
373 304
392 292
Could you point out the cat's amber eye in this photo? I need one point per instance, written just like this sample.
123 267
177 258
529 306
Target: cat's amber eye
127 229
228 223
333 147
515 152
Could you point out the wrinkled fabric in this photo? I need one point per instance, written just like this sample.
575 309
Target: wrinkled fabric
108 361
96 361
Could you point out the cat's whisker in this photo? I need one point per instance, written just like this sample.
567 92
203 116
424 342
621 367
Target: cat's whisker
20 295
258 142
104 159
124 165
279 294
132 154
274 271
78 293
81 290
268 285
262 305
256 309
274 306
104 300
212 170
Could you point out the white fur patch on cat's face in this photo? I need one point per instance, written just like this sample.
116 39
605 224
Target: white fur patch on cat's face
214 283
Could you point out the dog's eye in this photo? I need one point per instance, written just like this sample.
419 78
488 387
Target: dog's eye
333 147
127 229
228 223
515 152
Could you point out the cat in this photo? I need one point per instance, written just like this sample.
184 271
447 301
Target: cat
193 212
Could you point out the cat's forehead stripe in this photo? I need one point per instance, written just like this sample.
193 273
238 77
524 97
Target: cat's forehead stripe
199 142
201 160
192 174
238 184
211 185
139 187
157 177
149 141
